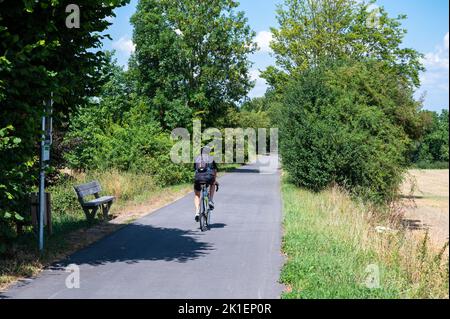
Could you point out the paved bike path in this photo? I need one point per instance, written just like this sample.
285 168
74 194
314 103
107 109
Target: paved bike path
165 255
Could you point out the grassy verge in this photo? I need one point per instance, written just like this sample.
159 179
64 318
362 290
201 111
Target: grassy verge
336 249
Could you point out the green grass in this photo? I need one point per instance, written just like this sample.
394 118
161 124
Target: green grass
431 165
329 243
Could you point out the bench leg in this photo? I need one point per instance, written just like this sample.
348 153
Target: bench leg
90 213
105 209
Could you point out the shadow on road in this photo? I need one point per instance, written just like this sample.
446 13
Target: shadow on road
138 242
244 171
133 244
217 226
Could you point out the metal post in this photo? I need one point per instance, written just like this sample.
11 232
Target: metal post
42 188
45 157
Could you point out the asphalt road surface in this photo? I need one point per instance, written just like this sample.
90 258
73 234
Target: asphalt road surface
165 255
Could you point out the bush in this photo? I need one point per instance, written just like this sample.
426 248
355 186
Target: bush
12 188
136 144
331 133
432 149
67 213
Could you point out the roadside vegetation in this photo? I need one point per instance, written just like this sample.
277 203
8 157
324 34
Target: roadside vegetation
342 93
341 248
431 150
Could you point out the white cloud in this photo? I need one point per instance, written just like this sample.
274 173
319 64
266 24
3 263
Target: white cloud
260 84
125 45
435 81
263 40
439 58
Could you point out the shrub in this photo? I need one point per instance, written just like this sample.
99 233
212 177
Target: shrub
12 188
432 150
135 144
67 213
331 133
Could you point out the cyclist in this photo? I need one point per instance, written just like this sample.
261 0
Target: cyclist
205 173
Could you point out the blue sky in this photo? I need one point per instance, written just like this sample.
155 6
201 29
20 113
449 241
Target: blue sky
427 26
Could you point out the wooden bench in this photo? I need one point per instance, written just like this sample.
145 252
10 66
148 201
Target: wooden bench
90 208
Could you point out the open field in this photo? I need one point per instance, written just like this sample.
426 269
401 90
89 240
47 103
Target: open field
426 196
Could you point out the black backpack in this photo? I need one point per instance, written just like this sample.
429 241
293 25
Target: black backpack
204 172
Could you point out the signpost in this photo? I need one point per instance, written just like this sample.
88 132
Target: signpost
46 142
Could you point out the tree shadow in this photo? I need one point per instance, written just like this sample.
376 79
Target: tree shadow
245 171
138 242
411 197
414 224
133 244
217 226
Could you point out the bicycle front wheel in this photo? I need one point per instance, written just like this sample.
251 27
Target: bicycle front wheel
208 216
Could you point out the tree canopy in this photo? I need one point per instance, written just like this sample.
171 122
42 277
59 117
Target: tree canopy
41 56
312 31
191 58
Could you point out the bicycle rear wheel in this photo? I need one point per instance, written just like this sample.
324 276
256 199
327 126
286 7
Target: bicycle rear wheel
203 214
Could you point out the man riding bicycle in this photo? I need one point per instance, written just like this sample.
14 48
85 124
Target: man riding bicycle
205 173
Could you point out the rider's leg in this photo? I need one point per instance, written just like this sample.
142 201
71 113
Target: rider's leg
197 190
212 189
197 201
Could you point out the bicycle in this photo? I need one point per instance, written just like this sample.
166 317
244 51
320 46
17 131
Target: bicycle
205 211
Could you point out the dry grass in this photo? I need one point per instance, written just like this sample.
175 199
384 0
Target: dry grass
420 267
330 240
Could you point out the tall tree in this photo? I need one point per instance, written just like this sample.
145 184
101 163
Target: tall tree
312 31
41 53
191 58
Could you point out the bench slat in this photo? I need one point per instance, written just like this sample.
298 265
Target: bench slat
99 201
88 189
